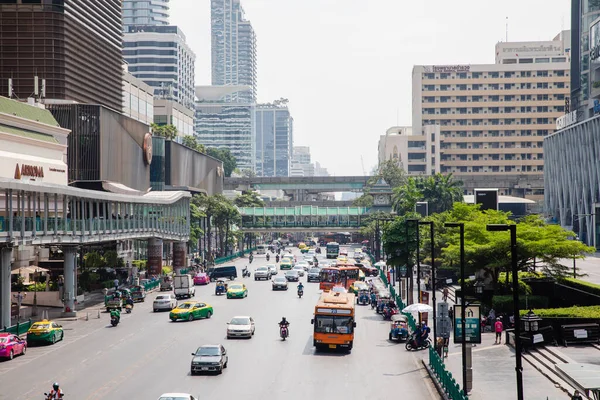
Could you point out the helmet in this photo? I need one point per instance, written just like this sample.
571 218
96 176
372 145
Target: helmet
55 385
423 323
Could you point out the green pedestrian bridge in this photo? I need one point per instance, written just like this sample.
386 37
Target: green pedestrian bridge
302 218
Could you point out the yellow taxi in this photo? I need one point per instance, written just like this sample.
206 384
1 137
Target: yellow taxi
342 259
358 285
45 331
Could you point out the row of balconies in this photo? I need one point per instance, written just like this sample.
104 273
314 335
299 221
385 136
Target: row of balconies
494 92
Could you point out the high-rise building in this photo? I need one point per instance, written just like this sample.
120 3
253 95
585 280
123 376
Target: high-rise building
233 49
221 124
301 162
418 154
274 139
160 56
493 117
75 46
145 12
138 99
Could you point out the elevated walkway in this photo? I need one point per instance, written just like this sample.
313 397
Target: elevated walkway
311 184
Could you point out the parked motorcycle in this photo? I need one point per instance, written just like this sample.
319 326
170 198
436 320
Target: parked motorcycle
411 343
245 273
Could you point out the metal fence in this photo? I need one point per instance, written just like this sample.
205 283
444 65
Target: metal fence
18 329
222 260
151 285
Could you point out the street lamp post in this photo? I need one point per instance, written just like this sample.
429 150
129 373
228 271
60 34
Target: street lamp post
377 240
515 282
430 223
463 303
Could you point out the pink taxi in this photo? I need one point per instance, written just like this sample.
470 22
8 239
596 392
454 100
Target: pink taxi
201 279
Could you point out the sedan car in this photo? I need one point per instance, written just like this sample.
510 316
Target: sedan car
201 279
177 396
314 275
300 270
191 310
240 327
207 358
237 291
292 276
11 346
164 302
304 264
286 264
45 331
280 283
262 273
272 269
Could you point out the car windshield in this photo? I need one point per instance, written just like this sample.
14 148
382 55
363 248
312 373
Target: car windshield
261 268
240 321
186 305
41 326
339 289
208 351
314 271
3 340
279 280
162 297
337 324
236 287
298 267
292 272
174 398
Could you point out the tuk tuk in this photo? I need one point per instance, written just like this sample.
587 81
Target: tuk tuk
138 294
363 297
115 300
383 298
221 287
166 283
398 327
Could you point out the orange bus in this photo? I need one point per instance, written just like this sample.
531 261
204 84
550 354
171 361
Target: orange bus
334 321
340 275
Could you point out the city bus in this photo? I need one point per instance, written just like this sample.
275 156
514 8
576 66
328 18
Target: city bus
332 250
334 321
340 275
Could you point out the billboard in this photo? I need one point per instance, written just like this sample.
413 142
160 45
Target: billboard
488 198
422 208
595 41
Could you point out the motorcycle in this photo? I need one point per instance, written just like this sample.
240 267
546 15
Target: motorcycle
411 343
388 312
277 258
245 273
128 308
300 293
114 320
251 258
283 332
268 257
49 396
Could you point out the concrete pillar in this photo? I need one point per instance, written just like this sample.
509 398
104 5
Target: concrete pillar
5 296
70 291
179 256
155 253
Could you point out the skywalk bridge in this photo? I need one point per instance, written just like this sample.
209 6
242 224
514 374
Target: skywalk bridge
302 219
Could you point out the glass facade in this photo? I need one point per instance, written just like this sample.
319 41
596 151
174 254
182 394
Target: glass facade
145 12
274 140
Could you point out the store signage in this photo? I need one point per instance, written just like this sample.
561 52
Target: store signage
566 120
472 324
31 171
594 39
596 106
147 148
451 68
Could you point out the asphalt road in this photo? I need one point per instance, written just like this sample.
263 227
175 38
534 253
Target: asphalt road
147 355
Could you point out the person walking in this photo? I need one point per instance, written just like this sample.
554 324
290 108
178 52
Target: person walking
445 294
498 328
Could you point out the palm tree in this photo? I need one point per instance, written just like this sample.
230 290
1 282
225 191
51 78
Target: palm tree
440 191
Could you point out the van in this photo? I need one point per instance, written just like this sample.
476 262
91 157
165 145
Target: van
183 286
228 271
261 249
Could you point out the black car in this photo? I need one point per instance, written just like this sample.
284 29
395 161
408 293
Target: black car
292 276
313 275
228 271
209 358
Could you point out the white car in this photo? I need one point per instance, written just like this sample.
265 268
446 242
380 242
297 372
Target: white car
305 265
300 270
177 396
240 327
164 302
311 252
262 273
272 269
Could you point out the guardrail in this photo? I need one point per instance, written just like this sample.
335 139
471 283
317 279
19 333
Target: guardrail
239 254
447 382
18 329
151 285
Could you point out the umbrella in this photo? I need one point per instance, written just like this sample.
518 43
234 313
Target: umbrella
418 307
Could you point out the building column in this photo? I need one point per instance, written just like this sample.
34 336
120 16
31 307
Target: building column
5 296
179 256
70 291
155 253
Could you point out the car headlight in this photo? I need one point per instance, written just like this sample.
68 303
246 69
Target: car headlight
196 363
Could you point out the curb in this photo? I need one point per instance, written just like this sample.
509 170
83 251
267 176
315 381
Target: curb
438 387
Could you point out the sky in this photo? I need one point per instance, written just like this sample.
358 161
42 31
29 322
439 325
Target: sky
346 65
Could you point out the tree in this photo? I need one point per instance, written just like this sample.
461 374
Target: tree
221 214
93 260
191 142
391 171
366 200
166 131
440 191
248 199
406 196
196 216
229 161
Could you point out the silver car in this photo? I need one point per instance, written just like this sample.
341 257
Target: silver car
164 302
262 273
300 270
292 275
272 269
280 283
314 275
240 327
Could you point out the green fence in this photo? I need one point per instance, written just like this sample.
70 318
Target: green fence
445 379
18 329
222 260
151 285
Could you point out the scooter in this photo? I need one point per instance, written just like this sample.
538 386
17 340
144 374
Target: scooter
277 258
300 293
251 258
245 273
411 343
128 308
283 332
49 396
114 320
268 257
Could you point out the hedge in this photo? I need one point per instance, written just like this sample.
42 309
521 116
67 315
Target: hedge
505 303
582 285
590 312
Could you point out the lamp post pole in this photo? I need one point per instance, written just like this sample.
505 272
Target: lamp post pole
463 303
377 241
408 273
416 222
430 223
515 283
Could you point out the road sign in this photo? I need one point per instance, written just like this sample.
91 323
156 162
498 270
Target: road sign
403 271
472 324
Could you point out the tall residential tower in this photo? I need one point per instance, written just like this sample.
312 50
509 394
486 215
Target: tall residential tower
274 139
145 12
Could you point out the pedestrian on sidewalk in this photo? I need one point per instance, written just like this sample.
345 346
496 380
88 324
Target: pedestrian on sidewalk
445 293
451 315
498 327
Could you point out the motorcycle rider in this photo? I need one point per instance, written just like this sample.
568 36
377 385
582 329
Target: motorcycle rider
277 258
284 323
116 314
56 392
300 287
268 257
251 257
422 334
129 301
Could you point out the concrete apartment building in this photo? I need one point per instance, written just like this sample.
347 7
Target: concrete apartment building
418 154
493 117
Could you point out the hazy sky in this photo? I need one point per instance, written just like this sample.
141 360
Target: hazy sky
346 65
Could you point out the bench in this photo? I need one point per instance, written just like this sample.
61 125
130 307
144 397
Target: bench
580 333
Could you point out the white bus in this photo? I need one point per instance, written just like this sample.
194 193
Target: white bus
261 249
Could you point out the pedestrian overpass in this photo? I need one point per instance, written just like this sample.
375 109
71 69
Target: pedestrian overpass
302 219
313 184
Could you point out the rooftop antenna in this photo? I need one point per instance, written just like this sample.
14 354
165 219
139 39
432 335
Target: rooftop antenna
506 29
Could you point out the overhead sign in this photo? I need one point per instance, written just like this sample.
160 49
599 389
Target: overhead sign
566 120
472 324
450 68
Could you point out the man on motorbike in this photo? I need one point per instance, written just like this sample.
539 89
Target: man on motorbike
268 257
284 323
300 288
277 258
116 314
129 301
55 393
422 334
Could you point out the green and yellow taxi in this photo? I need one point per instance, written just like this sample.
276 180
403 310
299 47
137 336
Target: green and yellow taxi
45 332
237 291
357 286
190 310
286 263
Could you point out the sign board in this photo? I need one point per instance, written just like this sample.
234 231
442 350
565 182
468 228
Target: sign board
538 338
472 324
580 334
566 120
422 207
595 41
403 271
487 199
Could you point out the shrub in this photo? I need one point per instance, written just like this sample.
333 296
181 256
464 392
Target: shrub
39 287
139 264
108 284
504 304
581 285
167 270
590 312
524 288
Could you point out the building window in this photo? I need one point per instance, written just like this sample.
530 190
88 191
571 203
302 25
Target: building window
526 61
509 61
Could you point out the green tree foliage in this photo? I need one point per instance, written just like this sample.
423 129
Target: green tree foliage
406 196
249 199
229 161
440 191
399 246
191 142
196 232
222 215
93 260
366 200
111 258
166 131
391 171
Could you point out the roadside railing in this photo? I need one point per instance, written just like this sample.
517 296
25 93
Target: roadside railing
444 378
151 285
238 254
18 329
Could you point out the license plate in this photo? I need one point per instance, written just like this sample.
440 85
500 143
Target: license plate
332 346
204 369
